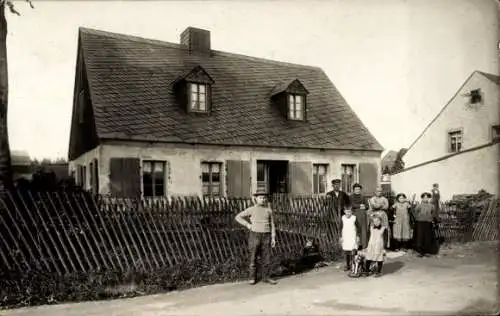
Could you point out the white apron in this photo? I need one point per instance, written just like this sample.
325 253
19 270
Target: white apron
349 233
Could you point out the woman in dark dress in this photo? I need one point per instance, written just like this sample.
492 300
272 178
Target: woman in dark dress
359 205
425 216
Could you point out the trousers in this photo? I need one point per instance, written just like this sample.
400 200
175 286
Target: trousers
259 244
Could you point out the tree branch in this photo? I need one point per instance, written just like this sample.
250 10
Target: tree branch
12 8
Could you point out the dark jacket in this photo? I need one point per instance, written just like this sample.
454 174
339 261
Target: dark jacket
339 202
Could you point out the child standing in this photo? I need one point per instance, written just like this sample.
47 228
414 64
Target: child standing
258 219
375 252
349 238
402 229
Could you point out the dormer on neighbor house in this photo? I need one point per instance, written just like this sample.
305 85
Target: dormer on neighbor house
291 99
194 91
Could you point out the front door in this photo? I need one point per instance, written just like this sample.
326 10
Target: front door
272 176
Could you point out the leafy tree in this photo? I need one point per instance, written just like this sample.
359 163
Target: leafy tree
399 163
5 158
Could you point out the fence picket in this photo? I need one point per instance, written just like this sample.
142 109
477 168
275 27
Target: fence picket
21 233
101 237
17 247
141 215
83 229
113 219
68 254
44 224
75 229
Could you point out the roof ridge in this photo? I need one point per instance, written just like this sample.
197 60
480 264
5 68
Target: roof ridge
135 38
490 76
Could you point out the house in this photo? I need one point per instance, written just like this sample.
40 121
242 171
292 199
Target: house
21 165
459 148
153 118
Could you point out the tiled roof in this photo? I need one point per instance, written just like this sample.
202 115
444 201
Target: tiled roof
131 86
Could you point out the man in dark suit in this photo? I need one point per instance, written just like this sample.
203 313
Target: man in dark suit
340 199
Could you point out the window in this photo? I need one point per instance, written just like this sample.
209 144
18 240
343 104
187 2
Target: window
455 141
475 96
319 178
83 177
153 178
210 178
94 176
296 107
495 133
198 97
348 177
91 176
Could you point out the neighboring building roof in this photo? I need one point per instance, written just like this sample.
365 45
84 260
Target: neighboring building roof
131 80
494 78
20 157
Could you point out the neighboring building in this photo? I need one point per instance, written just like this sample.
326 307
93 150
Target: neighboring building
388 161
21 165
156 118
459 148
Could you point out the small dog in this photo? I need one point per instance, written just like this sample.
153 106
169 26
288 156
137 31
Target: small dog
358 264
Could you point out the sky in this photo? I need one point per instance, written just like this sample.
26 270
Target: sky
396 62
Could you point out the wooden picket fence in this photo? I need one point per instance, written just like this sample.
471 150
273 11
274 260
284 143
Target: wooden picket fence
64 233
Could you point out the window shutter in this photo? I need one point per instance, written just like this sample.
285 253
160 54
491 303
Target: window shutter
300 177
368 177
125 177
115 176
131 169
233 178
95 176
246 176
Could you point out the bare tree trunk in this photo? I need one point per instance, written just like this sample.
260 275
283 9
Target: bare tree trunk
5 159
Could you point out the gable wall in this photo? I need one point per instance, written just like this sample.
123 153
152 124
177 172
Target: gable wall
476 124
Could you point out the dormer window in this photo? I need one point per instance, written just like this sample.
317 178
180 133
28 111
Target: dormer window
295 107
193 91
198 97
290 98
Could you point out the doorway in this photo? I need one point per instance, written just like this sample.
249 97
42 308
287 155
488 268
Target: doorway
272 176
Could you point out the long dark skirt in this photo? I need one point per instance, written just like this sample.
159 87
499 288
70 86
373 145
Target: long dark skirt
424 238
363 226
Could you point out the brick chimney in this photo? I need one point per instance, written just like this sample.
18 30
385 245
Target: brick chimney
197 41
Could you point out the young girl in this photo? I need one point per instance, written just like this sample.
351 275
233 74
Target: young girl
402 229
425 216
375 252
349 238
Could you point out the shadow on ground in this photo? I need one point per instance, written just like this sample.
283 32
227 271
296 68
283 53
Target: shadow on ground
392 267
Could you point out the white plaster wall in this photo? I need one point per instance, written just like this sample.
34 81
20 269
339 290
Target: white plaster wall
465 173
184 161
85 160
476 124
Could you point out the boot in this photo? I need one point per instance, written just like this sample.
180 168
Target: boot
252 278
270 281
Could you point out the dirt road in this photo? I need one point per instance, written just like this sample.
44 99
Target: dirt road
462 280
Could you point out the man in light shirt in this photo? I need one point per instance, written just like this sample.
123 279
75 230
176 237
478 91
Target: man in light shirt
258 219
